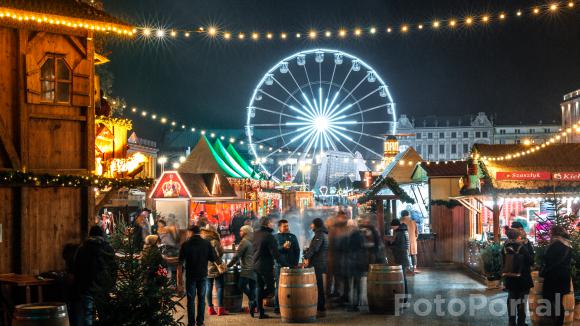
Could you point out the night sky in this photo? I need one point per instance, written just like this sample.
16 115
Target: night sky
518 69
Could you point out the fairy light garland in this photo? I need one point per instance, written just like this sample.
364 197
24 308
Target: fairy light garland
23 16
533 148
21 178
485 19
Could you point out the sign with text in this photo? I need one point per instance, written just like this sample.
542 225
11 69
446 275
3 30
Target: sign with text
567 176
523 176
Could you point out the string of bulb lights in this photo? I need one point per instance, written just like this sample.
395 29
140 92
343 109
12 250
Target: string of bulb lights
219 33
532 148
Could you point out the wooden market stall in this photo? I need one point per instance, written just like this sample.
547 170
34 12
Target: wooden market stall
217 181
447 218
47 135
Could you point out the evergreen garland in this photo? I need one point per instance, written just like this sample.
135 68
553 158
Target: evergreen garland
447 203
19 178
389 182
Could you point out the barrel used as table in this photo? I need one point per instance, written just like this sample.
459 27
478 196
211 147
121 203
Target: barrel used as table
232 294
297 295
384 283
40 314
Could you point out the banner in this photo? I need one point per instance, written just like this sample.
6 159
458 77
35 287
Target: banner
524 176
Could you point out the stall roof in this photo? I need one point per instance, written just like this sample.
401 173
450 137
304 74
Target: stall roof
553 160
402 167
173 184
444 169
204 159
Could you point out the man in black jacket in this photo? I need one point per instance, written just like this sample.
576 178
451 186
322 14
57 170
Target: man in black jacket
316 256
527 243
516 262
195 253
289 250
94 272
265 254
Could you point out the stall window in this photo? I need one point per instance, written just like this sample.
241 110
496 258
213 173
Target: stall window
55 80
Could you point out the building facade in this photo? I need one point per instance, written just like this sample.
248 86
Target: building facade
571 115
444 138
524 133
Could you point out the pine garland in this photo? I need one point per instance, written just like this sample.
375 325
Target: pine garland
380 183
19 178
447 203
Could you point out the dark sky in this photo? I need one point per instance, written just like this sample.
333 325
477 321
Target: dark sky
518 69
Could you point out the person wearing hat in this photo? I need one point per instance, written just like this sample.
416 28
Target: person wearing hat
524 239
316 256
247 281
195 253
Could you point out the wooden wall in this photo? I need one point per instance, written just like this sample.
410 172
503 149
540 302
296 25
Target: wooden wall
451 226
44 138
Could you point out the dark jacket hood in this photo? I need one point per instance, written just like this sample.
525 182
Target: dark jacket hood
266 229
321 229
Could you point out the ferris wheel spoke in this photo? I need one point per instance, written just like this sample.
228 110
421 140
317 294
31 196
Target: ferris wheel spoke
329 88
359 132
273 112
367 110
350 93
340 141
345 79
288 92
287 105
264 125
305 136
356 143
279 136
308 80
352 104
330 141
313 111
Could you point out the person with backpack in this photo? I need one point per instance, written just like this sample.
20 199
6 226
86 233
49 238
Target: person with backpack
516 273
556 272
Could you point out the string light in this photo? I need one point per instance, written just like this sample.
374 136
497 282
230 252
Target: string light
24 15
212 31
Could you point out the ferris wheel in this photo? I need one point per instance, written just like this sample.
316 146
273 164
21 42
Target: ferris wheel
316 101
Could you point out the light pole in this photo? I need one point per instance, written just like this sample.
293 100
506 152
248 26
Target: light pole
162 160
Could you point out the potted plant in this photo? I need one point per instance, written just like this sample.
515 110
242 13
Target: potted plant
491 259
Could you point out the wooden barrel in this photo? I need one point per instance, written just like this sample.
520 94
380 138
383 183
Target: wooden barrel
40 314
298 295
232 294
383 284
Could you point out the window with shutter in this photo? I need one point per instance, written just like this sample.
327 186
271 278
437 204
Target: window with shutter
55 80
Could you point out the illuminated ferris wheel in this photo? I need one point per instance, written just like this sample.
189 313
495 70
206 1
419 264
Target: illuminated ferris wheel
316 101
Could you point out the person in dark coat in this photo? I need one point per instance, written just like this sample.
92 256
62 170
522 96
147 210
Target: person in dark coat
356 264
94 273
289 250
316 256
247 283
400 247
195 253
238 221
556 271
518 286
337 234
525 241
265 254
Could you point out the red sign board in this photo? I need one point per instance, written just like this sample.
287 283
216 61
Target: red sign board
170 185
530 176
567 176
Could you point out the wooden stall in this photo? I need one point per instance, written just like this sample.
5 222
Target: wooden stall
46 127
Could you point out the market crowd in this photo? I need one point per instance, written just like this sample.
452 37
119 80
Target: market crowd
340 251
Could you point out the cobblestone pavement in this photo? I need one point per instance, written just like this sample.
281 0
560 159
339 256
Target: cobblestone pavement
452 285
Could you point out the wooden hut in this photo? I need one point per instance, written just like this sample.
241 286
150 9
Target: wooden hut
47 126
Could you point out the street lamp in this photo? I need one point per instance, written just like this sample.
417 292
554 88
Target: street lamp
181 159
175 165
162 160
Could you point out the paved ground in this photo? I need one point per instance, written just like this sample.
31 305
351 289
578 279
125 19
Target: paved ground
451 285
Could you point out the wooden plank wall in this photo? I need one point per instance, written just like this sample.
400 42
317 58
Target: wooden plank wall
450 226
45 138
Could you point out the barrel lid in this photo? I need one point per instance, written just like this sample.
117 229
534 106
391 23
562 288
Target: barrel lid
289 270
385 267
44 309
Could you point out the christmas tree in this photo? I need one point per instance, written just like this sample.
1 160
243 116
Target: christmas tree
143 293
